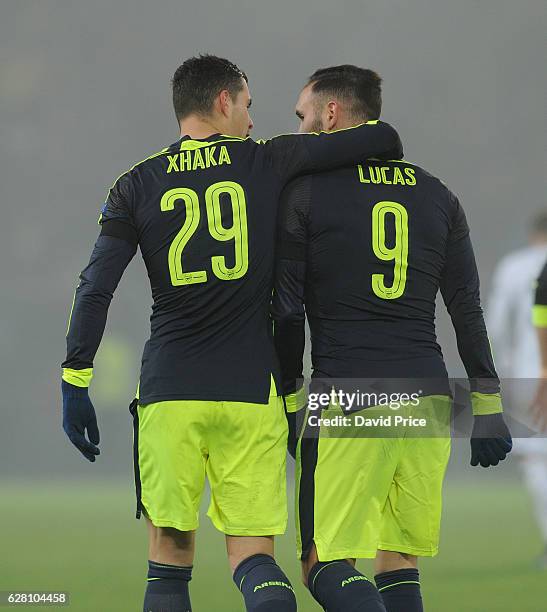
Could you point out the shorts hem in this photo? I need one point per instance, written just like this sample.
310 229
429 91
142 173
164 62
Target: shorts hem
250 531
175 524
409 550
325 554
333 555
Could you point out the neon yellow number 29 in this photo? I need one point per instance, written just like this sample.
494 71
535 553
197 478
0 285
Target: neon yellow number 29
398 253
238 231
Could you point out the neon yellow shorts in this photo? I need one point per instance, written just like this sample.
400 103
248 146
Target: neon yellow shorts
240 448
355 495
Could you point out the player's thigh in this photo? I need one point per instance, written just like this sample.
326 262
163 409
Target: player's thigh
172 454
247 469
341 488
412 516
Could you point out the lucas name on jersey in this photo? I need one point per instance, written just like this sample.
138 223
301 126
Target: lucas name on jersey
387 175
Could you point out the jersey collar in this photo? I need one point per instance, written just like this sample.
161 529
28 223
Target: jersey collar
211 137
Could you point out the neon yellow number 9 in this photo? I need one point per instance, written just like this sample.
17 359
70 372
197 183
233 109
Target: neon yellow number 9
398 253
238 231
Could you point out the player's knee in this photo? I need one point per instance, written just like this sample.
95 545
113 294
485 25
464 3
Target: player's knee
389 561
337 585
235 560
168 545
240 548
308 562
306 567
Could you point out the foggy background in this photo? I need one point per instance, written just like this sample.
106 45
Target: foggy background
85 94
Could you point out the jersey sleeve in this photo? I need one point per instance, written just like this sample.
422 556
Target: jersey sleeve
98 281
114 249
287 309
294 154
117 213
539 312
461 294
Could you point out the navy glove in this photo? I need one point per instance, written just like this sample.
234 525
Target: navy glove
490 440
79 415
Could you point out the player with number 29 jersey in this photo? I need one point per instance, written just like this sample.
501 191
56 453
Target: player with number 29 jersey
203 213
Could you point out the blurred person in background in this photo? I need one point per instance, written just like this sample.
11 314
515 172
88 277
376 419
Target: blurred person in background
539 317
516 350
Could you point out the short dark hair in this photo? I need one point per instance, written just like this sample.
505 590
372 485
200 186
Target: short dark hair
199 80
360 87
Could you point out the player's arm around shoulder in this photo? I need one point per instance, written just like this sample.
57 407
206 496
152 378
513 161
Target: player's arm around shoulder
292 155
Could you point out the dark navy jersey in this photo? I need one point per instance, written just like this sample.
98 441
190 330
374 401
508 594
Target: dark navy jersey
366 250
203 213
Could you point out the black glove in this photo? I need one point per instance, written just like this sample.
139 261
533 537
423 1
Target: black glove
490 440
79 415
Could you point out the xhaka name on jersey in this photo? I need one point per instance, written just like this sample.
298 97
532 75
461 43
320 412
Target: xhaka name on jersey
198 159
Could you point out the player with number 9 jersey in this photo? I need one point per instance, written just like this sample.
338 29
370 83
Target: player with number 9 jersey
362 253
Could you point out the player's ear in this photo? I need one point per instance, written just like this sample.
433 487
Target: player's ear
225 102
332 115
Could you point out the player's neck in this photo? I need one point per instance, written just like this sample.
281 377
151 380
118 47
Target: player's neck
198 128
345 122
